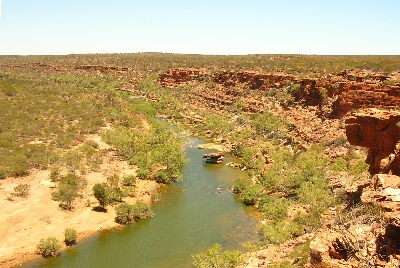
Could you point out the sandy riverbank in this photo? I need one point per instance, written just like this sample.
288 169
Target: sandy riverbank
24 221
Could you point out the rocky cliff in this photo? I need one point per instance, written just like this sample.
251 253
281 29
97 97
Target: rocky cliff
347 90
379 131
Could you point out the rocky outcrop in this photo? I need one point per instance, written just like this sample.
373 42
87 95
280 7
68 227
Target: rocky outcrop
214 158
359 245
346 90
355 95
102 68
252 80
177 76
368 237
379 131
384 190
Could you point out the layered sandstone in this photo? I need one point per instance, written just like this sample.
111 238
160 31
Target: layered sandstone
177 76
346 90
379 131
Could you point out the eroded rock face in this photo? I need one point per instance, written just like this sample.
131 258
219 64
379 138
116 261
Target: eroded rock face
178 76
384 190
347 90
378 130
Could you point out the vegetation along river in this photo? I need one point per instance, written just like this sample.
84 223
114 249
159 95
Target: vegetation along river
191 216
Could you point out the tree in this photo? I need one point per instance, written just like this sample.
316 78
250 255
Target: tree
68 188
49 247
128 214
100 191
67 195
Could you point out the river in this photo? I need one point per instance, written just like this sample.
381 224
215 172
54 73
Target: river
191 216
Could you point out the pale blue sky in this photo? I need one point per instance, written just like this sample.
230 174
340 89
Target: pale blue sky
200 27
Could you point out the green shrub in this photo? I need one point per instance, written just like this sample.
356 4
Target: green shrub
143 174
68 188
163 176
266 124
311 220
70 236
250 194
115 193
294 90
359 167
49 247
273 208
128 214
129 180
240 185
217 124
66 194
101 192
314 191
216 258
339 164
300 254
277 232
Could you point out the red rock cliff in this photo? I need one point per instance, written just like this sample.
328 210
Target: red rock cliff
379 131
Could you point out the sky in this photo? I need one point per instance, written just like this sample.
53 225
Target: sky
218 27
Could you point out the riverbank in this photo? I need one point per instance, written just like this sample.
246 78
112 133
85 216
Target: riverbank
25 221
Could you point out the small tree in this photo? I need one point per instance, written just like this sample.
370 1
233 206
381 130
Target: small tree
67 195
101 193
49 247
70 236
68 188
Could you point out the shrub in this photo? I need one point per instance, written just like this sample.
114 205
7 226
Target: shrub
339 164
70 236
217 124
294 90
359 167
214 258
129 180
128 214
276 232
266 124
240 185
49 247
163 176
115 193
250 194
22 190
340 141
273 208
142 173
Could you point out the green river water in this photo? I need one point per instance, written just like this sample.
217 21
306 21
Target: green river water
191 216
